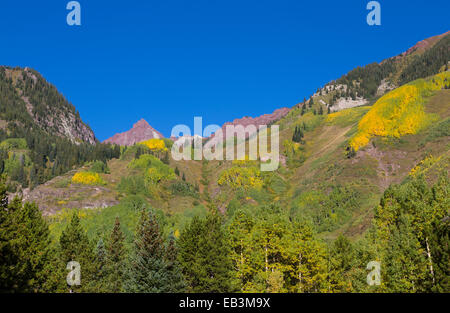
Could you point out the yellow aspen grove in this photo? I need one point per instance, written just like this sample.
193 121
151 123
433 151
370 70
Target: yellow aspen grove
399 112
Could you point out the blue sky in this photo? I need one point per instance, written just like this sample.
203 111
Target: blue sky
169 60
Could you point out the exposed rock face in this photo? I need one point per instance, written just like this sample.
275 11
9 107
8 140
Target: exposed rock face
141 131
52 198
346 103
265 119
48 108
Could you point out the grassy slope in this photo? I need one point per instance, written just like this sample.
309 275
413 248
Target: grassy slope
368 174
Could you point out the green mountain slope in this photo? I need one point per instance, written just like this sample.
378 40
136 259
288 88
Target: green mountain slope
41 133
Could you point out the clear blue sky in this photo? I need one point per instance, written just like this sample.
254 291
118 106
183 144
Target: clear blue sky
169 60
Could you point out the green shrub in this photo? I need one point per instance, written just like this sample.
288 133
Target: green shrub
183 188
14 143
132 185
99 167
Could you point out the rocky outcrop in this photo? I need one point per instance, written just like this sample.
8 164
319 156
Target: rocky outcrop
265 119
48 108
141 131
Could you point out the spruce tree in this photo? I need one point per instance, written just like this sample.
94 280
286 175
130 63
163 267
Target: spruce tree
298 134
176 282
205 257
115 259
147 271
101 273
24 246
3 194
75 246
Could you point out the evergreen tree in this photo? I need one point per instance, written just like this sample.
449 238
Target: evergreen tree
298 135
101 273
204 256
24 246
165 159
341 262
176 282
75 246
3 195
440 250
405 263
147 271
115 259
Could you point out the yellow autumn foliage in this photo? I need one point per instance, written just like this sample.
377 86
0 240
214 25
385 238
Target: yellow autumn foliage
424 165
399 112
155 144
245 162
87 178
347 116
241 177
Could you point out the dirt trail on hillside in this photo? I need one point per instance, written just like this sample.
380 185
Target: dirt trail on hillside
333 136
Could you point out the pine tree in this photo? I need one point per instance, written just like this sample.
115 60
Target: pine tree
101 273
204 256
24 246
165 158
115 259
298 134
3 194
147 271
176 282
340 264
75 246
440 250
405 266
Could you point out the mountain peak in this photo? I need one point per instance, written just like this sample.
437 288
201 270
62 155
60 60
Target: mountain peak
141 131
425 44
141 123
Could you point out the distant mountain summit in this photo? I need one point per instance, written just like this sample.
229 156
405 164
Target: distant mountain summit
30 102
425 44
265 119
141 131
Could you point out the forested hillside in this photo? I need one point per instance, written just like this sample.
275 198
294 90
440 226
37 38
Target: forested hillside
41 133
360 180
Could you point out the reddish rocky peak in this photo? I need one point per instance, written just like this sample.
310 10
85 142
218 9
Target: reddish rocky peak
425 44
141 124
141 131
265 119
